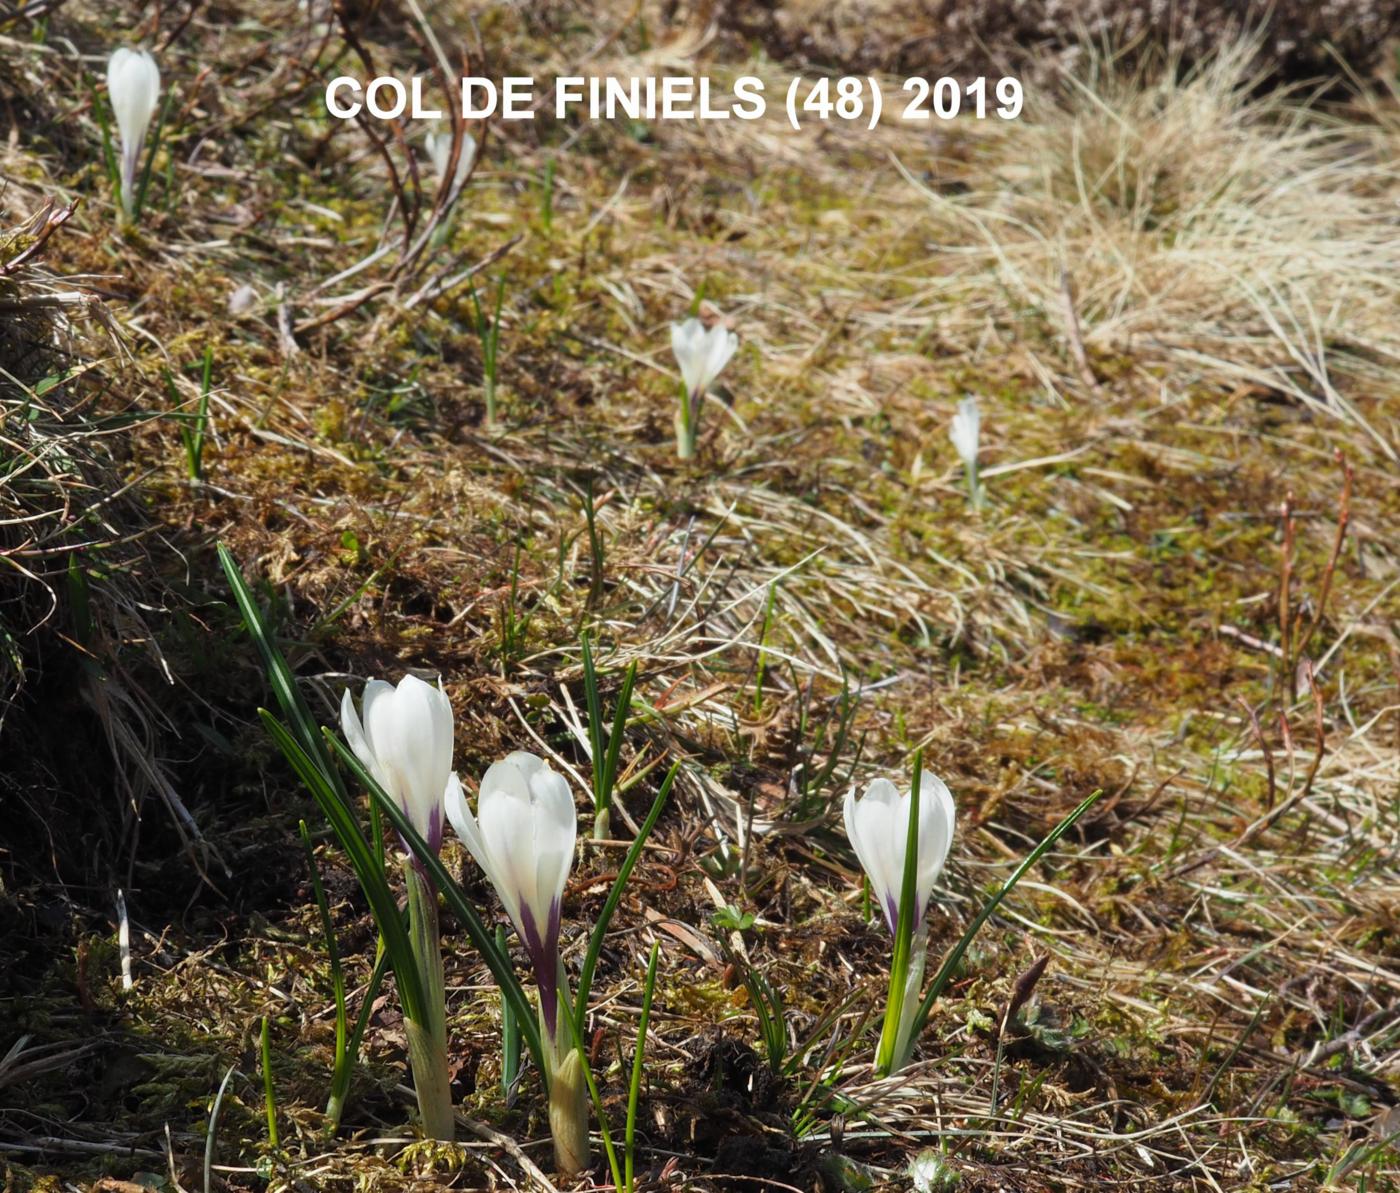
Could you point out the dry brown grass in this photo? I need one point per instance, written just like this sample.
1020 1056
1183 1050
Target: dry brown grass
1216 1011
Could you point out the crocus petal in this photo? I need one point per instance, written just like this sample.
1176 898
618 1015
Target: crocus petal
936 818
403 736
465 825
556 830
721 346
688 354
523 836
507 832
410 731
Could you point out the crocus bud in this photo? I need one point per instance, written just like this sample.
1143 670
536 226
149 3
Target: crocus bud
701 354
439 143
967 422
523 837
403 736
133 85
878 827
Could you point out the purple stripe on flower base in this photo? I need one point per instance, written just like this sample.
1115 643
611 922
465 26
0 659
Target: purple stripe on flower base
433 837
544 956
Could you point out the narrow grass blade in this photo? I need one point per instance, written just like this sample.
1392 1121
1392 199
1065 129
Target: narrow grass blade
141 186
634 1089
600 929
619 732
269 1093
344 1060
510 1031
109 157
289 698
367 867
212 1135
594 702
946 971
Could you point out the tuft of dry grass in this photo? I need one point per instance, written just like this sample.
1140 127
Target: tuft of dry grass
1187 218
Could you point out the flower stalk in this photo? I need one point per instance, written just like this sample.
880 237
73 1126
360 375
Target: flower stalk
427 1040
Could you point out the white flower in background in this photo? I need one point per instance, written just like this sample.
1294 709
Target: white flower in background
403 737
133 85
701 354
439 143
878 827
967 423
964 431
241 301
931 1173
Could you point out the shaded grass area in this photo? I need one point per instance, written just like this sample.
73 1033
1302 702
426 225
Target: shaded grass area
1215 1011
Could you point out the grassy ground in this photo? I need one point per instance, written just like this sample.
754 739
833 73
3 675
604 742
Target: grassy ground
1177 304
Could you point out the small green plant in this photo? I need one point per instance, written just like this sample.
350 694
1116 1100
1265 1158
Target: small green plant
826 744
194 428
762 663
489 332
606 750
514 624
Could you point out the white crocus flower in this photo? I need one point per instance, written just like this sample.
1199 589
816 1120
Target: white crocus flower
439 143
133 85
878 827
403 736
523 837
967 423
701 355
964 432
